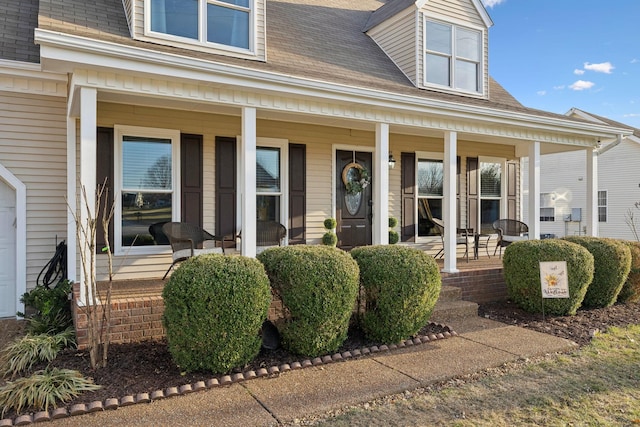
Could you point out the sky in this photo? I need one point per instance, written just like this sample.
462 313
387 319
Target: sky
557 54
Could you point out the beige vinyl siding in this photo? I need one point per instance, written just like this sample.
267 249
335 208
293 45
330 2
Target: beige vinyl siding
33 148
459 12
260 48
397 39
320 142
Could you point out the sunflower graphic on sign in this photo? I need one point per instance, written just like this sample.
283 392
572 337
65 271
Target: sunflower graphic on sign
553 279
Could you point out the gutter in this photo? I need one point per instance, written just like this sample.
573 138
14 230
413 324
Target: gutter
62 47
600 151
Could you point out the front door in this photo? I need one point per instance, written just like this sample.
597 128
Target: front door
7 250
354 208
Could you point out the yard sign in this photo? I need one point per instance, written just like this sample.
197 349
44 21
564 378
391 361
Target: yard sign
553 279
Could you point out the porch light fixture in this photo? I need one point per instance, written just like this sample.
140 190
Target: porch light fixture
392 161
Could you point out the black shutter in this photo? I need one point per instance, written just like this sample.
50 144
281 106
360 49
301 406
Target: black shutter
472 193
225 186
104 176
512 190
297 194
408 192
191 178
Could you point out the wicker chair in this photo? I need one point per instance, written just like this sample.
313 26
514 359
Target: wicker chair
186 241
464 236
268 233
509 230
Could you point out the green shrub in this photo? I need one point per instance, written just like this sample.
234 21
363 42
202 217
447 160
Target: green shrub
21 354
43 389
318 286
612 262
214 308
401 286
630 292
394 237
330 223
521 271
329 239
393 222
50 309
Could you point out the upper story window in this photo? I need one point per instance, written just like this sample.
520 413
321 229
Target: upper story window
453 56
225 23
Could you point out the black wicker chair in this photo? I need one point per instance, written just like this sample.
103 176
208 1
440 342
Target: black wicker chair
186 241
509 230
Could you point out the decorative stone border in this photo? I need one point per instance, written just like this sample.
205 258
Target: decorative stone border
113 403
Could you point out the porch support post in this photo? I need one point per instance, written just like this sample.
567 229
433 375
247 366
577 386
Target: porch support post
88 156
248 173
592 192
449 208
534 190
381 186
72 200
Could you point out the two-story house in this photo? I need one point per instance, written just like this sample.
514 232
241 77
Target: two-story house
179 104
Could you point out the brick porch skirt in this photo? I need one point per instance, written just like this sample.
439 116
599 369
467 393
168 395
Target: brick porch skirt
136 313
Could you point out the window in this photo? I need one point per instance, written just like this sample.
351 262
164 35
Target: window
219 22
430 193
602 206
547 207
268 184
145 178
490 194
453 56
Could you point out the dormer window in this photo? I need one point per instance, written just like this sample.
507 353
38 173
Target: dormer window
221 23
453 57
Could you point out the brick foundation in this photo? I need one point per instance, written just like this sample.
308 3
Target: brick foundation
140 318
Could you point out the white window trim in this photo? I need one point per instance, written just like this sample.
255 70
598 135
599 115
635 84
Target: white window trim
119 132
283 145
503 188
424 155
605 206
451 87
202 42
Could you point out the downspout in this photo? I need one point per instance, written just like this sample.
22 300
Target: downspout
602 150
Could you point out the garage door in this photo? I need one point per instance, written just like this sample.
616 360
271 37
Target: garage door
7 251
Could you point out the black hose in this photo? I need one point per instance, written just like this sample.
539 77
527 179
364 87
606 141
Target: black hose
55 270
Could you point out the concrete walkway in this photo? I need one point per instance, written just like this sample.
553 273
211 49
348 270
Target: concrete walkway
480 344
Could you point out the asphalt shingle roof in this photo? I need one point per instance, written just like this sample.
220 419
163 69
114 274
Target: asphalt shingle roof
18 18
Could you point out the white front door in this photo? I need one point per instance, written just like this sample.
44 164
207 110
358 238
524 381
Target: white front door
7 251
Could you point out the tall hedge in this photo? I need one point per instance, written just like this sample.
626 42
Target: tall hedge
318 286
612 263
214 306
401 286
630 292
521 269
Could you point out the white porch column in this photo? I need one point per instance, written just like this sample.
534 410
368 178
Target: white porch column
449 208
248 189
88 156
534 190
592 193
381 186
71 199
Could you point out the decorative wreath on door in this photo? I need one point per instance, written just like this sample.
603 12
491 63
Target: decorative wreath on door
355 178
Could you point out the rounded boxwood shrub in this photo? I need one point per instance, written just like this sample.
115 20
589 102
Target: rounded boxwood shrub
393 222
401 286
394 237
521 269
318 286
329 238
630 292
330 223
612 262
214 306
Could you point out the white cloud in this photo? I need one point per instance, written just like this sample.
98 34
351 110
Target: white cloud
561 87
635 60
578 72
542 92
603 67
582 85
631 115
491 3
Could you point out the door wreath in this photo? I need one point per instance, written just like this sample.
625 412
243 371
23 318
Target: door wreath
355 178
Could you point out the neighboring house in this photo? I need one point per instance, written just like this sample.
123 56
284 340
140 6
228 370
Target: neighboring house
222 112
563 186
